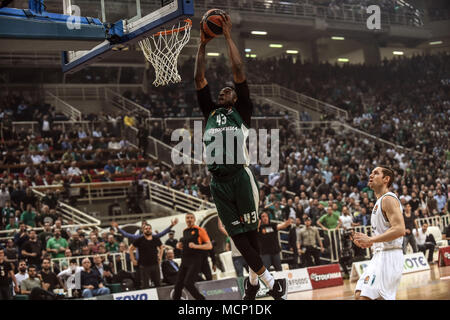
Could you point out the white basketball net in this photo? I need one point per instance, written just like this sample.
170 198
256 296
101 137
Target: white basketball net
162 51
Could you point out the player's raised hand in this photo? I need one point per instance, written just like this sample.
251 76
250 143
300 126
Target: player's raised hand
226 25
204 38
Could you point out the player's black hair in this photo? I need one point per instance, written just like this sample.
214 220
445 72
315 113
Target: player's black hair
388 172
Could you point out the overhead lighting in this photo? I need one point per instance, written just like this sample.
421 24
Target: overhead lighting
253 56
248 50
433 43
291 51
337 38
259 33
213 54
275 45
247 55
398 53
343 60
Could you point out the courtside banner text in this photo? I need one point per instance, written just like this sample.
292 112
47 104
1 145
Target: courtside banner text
325 276
444 256
297 279
413 262
148 294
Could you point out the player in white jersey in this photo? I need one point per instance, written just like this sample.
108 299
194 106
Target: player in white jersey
382 276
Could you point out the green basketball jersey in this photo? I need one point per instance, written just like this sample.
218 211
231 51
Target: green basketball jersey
227 124
232 126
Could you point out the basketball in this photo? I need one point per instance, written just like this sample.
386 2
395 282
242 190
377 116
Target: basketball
211 23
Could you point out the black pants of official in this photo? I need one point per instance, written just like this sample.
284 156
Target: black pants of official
427 245
149 273
309 253
187 275
206 269
5 293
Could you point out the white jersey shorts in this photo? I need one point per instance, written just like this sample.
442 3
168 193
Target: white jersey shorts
382 276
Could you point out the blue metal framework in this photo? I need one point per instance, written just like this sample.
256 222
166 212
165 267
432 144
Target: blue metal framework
37 23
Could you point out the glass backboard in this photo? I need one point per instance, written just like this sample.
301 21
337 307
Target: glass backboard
126 22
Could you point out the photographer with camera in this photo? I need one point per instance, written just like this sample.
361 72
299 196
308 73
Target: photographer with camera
347 252
310 244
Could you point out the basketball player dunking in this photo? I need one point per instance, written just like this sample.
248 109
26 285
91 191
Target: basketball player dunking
382 276
233 186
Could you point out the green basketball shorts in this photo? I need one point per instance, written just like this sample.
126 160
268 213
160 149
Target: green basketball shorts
237 199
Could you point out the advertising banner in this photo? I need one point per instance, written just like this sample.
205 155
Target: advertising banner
413 262
325 276
444 256
297 279
147 294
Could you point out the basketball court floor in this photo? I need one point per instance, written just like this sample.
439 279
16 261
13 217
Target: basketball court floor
433 284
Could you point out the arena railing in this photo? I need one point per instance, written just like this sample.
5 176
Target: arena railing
339 126
87 91
125 104
335 242
346 13
176 200
162 152
166 196
437 221
274 90
66 125
79 218
63 107
335 239
342 127
271 122
114 258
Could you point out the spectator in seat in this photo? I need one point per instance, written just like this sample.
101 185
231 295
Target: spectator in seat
310 242
112 245
432 205
57 245
21 237
50 281
346 218
74 170
362 219
114 145
13 223
32 250
75 244
46 234
31 282
170 268
330 220
28 216
293 241
98 266
7 212
441 200
110 167
22 274
268 241
91 281
6 275
423 242
172 242
410 225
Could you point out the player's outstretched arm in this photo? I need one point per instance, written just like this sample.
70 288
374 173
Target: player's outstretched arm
237 66
200 62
